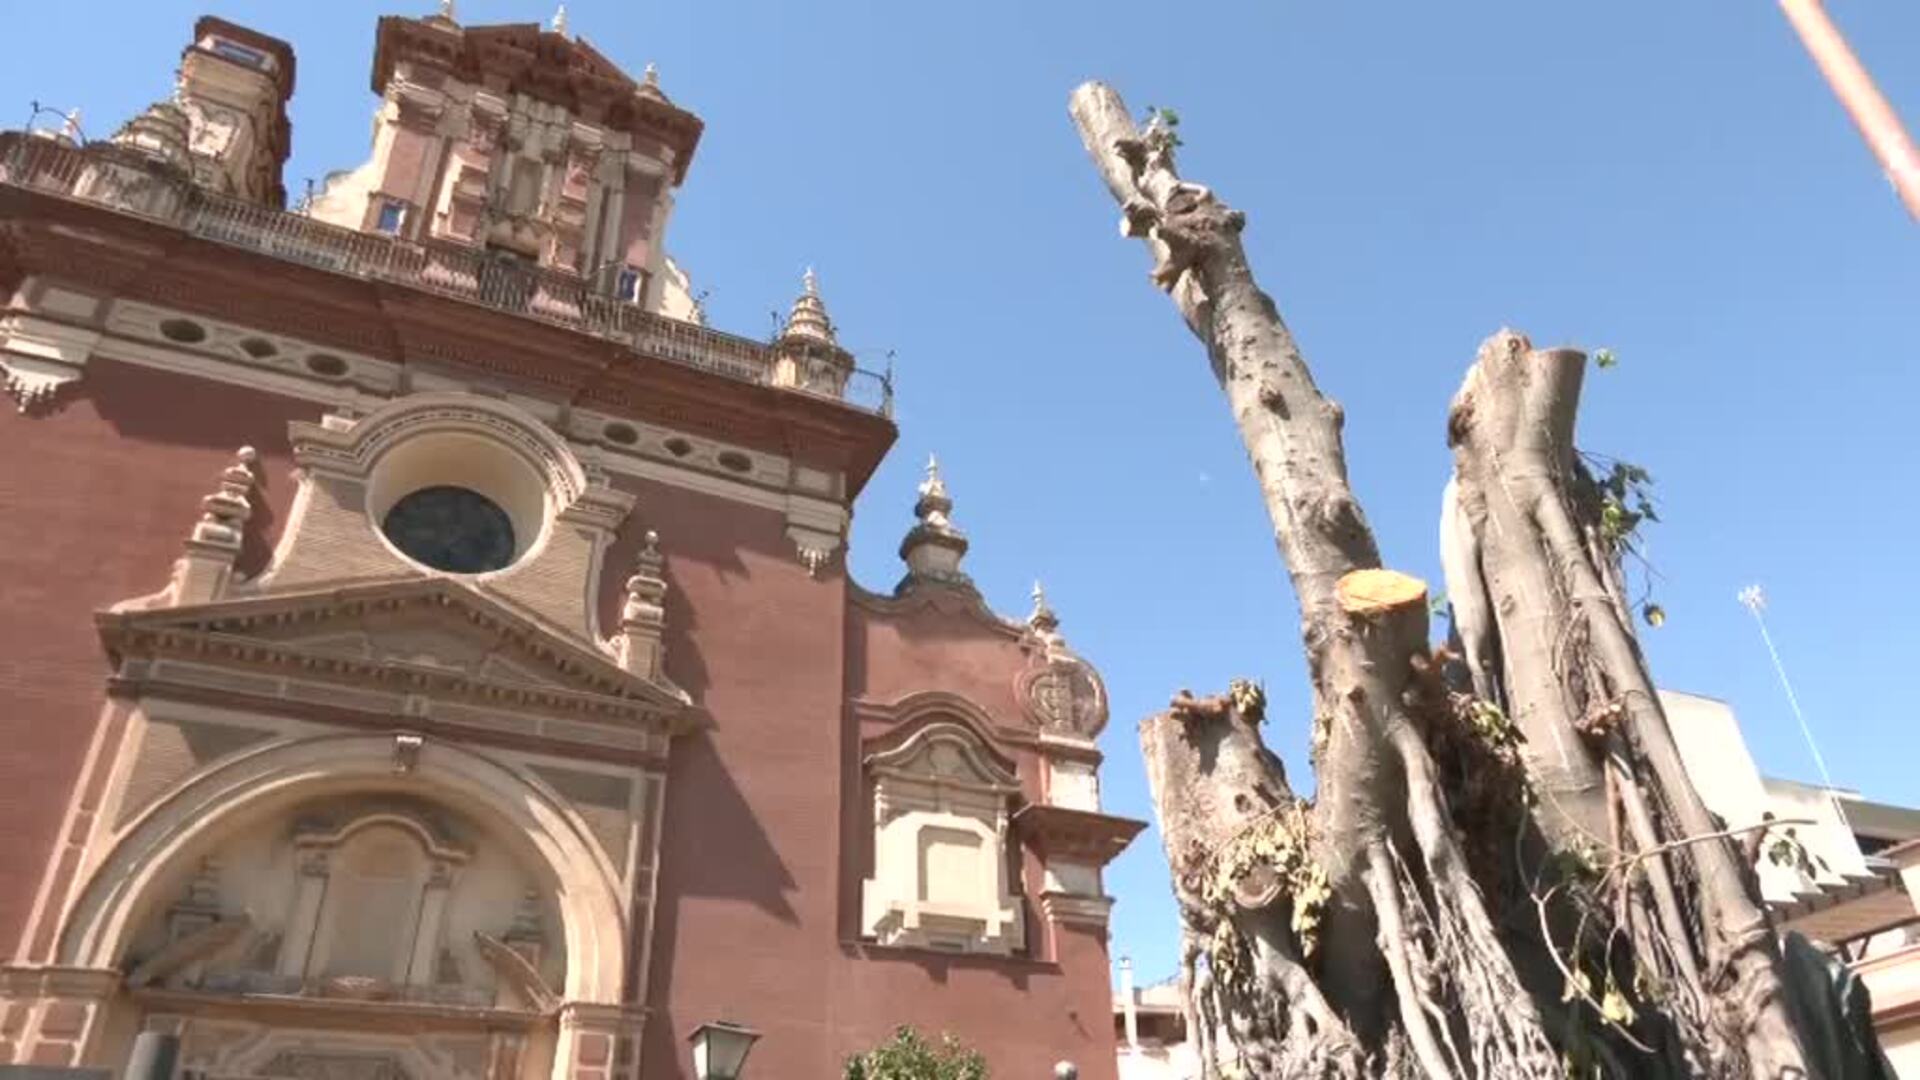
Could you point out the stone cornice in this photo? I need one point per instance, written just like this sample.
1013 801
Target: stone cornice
642 745
1067 908
232 634
121 257
362 1015
1075 835
27 981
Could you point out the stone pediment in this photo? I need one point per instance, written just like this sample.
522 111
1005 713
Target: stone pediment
431 637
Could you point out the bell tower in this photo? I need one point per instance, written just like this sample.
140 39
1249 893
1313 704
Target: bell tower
521 140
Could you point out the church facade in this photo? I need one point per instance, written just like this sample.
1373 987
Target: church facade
428 649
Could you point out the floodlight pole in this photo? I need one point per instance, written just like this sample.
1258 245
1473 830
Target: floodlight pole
1871 113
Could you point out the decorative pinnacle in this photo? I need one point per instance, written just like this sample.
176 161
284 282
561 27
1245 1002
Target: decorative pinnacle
646 568
560 20
446 10
933 492
1043 620
808 319
650 83
933 547
70 126
224 512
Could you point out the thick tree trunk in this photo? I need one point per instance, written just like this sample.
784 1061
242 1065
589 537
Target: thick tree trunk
1546 585
1504 874
1409 976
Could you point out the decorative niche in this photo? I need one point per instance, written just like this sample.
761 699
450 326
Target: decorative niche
364 897
941 877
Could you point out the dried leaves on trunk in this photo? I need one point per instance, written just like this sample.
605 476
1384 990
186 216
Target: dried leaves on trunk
1506 872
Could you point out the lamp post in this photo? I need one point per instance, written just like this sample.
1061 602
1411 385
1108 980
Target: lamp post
720 1049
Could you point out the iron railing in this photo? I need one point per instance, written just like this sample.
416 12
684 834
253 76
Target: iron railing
124 180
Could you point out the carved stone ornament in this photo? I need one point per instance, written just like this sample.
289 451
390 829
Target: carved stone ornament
1064 695
33 383
406 752
322 1065
39 356
1061 693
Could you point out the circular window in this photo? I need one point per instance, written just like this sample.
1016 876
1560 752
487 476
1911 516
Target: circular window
624 434
457 502
258 348
450 528
735 461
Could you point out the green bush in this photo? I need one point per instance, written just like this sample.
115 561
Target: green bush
907 1056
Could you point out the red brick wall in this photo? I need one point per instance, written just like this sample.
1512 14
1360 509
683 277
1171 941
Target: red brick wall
761 834
759 841
95 500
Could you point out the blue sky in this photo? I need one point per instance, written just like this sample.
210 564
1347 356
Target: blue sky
1671 181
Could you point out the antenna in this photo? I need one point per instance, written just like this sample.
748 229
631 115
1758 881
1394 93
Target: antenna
1756 601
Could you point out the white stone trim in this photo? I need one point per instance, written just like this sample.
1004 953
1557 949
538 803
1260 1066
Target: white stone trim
39 356
940 782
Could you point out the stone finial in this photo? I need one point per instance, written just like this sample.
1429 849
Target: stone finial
934 546
446 10
1062 693
1043 622
560 20
650 84
225 511
205 571
807 353
808 318
643 618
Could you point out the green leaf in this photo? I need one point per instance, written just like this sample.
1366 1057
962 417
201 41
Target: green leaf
1612 517
1604 358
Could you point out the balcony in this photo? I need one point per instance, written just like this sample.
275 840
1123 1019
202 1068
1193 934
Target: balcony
128 182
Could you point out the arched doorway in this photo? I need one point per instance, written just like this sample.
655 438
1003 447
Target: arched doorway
324 907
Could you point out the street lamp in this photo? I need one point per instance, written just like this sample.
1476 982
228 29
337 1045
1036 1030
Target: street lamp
720 1049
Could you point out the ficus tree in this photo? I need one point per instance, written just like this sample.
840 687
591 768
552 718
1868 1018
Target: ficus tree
1505 871
909 1056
